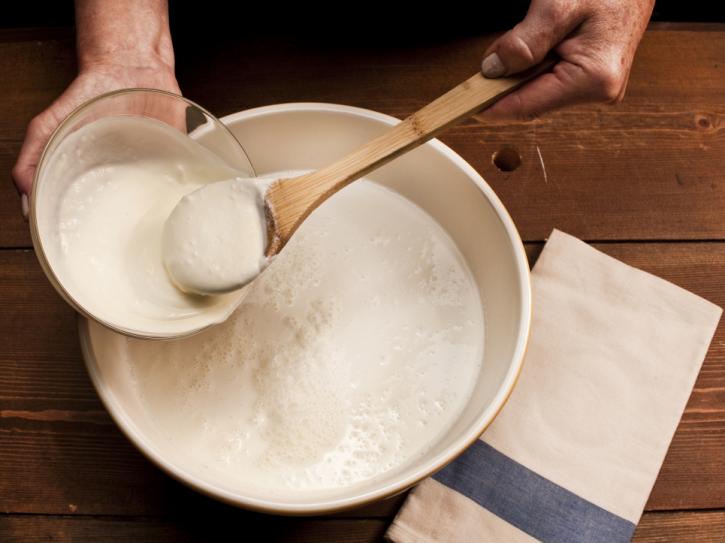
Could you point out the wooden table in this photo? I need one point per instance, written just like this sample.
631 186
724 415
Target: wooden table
643 181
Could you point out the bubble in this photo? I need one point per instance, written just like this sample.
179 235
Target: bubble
348 358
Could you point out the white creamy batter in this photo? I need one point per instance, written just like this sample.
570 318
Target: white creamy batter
351 356
115 181
215 238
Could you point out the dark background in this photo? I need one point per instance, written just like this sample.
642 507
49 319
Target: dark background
206 30
218 18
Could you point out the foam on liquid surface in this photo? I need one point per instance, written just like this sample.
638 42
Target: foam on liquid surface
350 356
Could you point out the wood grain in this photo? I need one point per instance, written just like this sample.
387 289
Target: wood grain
649 168
190 529
35 71
703 527
681 527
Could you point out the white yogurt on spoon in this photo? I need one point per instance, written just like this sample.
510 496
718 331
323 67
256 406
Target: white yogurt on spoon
215 238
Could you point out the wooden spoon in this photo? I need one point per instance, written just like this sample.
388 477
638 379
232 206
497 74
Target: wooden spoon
290 201
226 232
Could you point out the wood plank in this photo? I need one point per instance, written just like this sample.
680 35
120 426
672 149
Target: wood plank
693 527
59 450
240 526
650 168
37 71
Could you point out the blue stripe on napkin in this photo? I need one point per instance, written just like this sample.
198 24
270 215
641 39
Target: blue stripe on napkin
533 504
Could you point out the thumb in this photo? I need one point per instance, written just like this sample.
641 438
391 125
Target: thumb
37 134
525 45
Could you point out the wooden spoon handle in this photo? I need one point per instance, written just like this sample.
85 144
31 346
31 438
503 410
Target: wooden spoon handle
290 201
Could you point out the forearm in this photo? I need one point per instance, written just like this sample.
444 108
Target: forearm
129 32
121 44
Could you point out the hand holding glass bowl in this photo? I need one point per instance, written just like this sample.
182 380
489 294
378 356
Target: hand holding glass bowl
98 136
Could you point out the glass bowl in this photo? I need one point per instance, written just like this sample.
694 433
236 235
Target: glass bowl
55 171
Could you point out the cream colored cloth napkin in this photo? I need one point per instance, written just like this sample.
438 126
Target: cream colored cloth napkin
572 457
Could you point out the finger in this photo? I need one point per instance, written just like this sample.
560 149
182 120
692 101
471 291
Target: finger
567 84
167 109
545 25
36 136
625 82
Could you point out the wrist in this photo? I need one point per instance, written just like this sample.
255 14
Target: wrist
128 58
152 57
121 70
128 33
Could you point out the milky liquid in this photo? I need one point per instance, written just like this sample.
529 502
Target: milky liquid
350 357
110 188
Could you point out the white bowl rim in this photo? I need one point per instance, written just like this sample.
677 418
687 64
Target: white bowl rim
422 470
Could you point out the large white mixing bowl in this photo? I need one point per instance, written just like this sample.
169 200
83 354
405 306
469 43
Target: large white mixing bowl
307 135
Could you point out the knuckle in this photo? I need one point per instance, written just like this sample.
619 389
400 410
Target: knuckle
528 116
17 173
36 125
520 47
21 177
523 110
608 83
40 125
617 99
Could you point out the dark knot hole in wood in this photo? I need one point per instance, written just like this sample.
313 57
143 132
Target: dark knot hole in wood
506 159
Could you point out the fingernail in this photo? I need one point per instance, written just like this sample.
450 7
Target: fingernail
492 66
24 205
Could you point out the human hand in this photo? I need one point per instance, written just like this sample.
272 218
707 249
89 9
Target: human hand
120 44
595 41
93 80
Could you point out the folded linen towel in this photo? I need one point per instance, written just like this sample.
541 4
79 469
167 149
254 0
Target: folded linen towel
613 355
